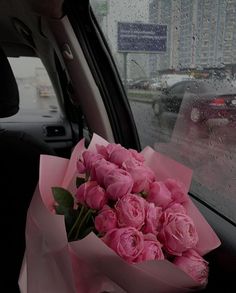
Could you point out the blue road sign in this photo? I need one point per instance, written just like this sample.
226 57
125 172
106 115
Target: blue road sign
142 37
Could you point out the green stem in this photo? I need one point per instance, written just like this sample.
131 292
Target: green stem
82 222
76 222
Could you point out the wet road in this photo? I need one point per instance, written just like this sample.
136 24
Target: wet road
148 125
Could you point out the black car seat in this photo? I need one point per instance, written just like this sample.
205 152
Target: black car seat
19 171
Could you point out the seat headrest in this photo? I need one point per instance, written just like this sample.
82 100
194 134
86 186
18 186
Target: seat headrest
9 94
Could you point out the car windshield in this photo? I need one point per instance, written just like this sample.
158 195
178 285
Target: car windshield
174 42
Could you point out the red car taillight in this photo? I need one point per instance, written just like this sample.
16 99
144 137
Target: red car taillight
218 102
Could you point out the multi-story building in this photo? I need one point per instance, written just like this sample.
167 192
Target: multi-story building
201 33
229 40
161 13
210 29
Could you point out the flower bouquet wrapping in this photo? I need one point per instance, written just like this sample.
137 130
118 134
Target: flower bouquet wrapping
111 219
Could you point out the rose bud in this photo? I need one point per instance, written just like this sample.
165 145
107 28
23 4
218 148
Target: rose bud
143 177
159 194
193 265
152 218
100 170
86 162
102 150
118 155
81 192
106 220
106 151
137 156
177 189
118 183
127 242
92 194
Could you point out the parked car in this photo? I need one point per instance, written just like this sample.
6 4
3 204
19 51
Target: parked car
146 84
201 100
72 40
155 84
140 84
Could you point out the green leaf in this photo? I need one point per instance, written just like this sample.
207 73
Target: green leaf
79 181
61 210
63 197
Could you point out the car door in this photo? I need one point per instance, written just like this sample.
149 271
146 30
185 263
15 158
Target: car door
173 99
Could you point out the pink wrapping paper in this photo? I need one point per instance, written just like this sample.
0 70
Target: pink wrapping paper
51 264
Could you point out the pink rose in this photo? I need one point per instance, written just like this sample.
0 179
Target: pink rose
118 183
152 250
178 233
130 210
159 194
80 193
100 170
85 163
142 175
105 151
102 150
152 218
92 194
193 265
106 220
137 156
80 167
176 208
178 190
165 194
127 242
118 155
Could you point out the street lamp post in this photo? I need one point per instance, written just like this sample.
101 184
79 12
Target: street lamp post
140 67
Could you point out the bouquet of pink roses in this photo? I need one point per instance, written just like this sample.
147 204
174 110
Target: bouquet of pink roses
111 215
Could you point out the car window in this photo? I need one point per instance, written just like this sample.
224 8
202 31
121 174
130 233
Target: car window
37 96
178 41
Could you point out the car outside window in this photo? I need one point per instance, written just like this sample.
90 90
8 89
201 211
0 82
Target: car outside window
178 41
37 96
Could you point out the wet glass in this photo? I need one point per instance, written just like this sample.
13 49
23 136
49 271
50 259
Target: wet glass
177 61
37 96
